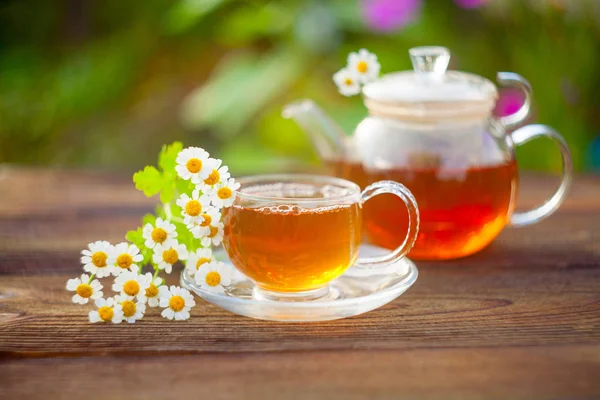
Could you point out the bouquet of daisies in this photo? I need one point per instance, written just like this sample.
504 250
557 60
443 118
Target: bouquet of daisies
194 189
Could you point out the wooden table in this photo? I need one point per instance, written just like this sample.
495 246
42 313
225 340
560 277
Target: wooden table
520 320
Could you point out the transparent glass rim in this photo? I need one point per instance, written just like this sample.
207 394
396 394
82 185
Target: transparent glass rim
318 180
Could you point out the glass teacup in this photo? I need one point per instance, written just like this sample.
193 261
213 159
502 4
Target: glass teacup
293 234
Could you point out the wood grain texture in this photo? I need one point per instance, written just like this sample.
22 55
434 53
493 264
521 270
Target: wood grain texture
563 372
521 319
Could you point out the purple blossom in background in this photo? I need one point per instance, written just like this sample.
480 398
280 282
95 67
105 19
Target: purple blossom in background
509 102
390 15
468 4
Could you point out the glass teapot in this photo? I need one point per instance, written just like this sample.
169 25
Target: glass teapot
433 130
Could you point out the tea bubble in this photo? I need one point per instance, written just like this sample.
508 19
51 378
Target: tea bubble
266 210
283 209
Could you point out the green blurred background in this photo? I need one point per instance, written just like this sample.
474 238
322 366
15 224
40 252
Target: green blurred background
103 84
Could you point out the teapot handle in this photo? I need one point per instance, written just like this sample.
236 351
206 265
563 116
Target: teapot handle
511 79
409 201
524 135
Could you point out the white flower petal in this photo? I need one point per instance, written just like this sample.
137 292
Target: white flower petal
164 292
94 316
73 283
182 315
168 313
77 299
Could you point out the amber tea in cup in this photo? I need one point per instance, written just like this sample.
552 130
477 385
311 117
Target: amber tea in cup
293 234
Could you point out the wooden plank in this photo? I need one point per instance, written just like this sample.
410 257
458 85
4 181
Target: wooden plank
556 372
450 306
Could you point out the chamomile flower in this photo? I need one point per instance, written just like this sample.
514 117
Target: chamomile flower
214 276
210 216
218 174
193 164
152 296
95 258
107 311
132 311
347 82
193 207
84 289
131 284
162 233
177 302
165 256
124 257
365 65
197 259
223 194
214 236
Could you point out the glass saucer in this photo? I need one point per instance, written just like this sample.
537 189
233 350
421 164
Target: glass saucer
355 292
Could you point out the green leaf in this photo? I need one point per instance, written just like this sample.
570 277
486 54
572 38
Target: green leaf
149 180
167 156
159 211
185 236
167 193
184 186
136 237
147 254
148 219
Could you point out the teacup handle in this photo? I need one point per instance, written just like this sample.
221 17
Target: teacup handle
409 201
524 135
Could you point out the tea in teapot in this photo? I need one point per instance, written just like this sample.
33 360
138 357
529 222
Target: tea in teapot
432 130
457 221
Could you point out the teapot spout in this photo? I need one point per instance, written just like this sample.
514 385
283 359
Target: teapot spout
326 135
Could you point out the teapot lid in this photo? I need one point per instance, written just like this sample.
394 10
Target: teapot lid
430 92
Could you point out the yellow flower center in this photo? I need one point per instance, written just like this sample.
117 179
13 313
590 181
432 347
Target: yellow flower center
224 193
131 288
213 278
99 259
176 303
84 290
194 165
207 220
159 235
201 261
129 308
170 256
193 208
213 231
124 261
213 178
362 67
348 81
106 313
152 291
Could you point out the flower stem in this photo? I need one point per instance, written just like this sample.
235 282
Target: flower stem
167 209
91 278
155 273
